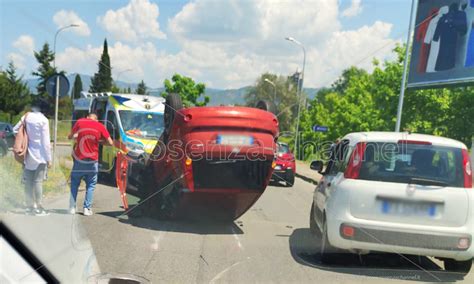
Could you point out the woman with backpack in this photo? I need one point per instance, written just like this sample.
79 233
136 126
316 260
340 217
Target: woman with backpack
36 157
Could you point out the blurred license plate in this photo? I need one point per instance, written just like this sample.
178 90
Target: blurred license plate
240 140
408 208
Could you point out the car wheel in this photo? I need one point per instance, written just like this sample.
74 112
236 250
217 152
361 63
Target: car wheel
266 106
290 178
313 227
327 250
458 266
173 104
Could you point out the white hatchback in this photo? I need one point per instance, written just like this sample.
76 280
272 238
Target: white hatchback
397 193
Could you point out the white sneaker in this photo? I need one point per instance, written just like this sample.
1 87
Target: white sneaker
87 212
72 210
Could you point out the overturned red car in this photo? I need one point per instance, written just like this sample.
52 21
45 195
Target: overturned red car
210 162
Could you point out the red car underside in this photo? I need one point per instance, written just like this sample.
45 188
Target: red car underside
224 179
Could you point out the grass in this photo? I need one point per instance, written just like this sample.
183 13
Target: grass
12 192
64 128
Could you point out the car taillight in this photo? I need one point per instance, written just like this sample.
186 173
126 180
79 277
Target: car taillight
188 173
466 165
416 142
355 162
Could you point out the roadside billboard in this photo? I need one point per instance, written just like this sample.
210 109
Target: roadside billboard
443 44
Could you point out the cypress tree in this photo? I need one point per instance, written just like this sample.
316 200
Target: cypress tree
102 80
141 88
77 89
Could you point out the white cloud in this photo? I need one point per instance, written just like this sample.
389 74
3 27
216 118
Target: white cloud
353 10
249 39
263 20
226 52
138 20
65 18
18 60
75 60
25 45
349 48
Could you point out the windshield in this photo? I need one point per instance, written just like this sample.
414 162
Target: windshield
142 124
283 148
405 163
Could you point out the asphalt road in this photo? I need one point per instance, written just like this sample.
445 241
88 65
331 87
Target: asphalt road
270 243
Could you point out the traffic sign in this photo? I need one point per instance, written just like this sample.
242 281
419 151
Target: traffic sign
63 85
319 128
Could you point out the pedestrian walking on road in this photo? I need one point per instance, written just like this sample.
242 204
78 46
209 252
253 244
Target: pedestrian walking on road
88 133
37 159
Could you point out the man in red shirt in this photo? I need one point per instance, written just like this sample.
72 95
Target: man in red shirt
88 133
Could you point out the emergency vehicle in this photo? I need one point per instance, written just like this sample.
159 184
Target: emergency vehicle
135 122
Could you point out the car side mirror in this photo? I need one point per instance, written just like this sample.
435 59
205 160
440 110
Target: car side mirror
317 166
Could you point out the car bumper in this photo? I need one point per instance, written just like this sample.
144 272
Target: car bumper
281 171
368 235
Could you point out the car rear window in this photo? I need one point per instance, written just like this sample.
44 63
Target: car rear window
412 163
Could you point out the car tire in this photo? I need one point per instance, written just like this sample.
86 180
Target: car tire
266 106
290 179
327 251
173 103
313 227
463 267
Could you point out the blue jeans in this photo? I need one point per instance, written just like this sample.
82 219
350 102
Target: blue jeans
88 171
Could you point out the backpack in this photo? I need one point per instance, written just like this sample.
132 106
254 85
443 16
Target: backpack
20 147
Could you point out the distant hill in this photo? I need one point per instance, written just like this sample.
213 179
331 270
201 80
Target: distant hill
217 96
237 96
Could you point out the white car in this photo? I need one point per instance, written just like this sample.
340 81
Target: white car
397 193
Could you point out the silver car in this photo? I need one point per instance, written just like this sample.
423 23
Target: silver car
397 193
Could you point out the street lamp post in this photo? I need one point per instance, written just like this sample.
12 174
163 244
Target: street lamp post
55 37
120 73
299 89
274 89
123 71
57 94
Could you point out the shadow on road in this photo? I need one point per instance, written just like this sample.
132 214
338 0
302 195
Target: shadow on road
305 250
180 226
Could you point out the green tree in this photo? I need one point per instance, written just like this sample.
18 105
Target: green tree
362 101
459 122
102 80
189 91
283 95
115 89
141 88
65 108
44 57
14 93
77 88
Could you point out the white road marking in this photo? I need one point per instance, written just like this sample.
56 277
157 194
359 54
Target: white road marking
237 239
220 274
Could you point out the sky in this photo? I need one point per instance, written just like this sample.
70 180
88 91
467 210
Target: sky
222 43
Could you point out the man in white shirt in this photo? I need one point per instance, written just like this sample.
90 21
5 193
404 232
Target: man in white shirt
37 158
